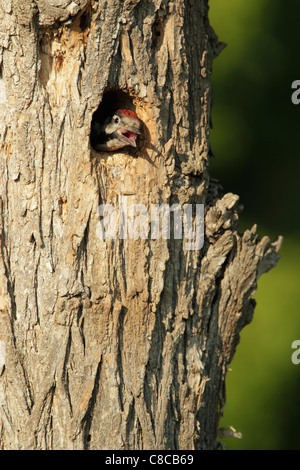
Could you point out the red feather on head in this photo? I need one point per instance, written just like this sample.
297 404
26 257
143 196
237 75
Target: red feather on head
127 112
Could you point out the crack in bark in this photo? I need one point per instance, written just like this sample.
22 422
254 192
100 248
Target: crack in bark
120 330
65 375
87 419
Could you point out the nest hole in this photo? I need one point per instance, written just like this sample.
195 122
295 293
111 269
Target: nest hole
112 100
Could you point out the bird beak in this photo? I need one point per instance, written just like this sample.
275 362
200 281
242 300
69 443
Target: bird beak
133 129
129 134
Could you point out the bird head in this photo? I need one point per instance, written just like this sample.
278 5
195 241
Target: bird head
117 131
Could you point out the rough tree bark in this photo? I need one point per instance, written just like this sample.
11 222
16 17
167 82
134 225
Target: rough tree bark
116 343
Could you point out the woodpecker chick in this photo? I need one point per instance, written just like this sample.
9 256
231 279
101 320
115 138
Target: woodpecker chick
117 131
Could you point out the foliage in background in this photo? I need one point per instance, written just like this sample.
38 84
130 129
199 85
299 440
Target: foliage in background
255 139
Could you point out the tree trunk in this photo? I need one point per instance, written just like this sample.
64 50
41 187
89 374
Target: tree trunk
122 342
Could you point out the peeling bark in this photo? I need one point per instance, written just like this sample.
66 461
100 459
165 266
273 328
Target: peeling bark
119 343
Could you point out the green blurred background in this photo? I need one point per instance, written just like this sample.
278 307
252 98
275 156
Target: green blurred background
256 140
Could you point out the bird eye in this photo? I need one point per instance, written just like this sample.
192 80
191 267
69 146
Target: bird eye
117 120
